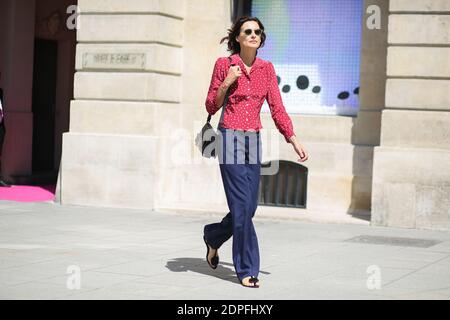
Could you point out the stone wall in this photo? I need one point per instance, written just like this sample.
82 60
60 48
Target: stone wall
411 174
143 70
142 73
127 91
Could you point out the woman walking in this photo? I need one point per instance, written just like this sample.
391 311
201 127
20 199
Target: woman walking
249 80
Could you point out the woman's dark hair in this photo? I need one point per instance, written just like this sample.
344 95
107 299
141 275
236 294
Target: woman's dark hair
233 45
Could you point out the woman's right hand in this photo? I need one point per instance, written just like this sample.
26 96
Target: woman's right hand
233 73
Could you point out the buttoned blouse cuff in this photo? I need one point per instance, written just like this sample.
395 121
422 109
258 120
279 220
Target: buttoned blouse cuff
289 135
211 106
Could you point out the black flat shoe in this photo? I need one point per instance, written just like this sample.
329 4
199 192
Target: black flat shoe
215 260
4 184
253 282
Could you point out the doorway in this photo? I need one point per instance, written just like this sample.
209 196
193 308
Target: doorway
43 105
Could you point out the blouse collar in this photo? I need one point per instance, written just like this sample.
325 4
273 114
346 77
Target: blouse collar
236 59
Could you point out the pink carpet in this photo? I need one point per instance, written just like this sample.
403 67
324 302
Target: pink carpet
28 193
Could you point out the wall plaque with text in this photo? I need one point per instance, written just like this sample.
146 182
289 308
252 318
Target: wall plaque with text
133 61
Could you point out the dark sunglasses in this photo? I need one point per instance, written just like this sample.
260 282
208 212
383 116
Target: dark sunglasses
248 32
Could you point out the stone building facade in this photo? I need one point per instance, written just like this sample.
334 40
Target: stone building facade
142 69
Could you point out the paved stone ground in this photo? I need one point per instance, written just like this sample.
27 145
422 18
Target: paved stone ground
138 254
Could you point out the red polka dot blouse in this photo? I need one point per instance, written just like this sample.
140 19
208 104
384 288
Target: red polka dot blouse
247 95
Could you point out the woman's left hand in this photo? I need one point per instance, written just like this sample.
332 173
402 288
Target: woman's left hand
299 149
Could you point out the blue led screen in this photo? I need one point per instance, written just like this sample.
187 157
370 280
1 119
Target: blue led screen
315 48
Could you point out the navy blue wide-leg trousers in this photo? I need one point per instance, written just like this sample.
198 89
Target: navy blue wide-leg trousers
240 168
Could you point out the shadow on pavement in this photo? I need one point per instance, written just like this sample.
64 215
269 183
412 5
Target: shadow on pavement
225 271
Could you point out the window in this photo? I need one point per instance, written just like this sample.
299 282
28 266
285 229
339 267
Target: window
287 188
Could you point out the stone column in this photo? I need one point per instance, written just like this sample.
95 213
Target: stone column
366 126
187 181
411 174
127 93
